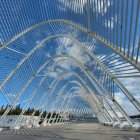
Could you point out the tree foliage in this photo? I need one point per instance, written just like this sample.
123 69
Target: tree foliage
17 110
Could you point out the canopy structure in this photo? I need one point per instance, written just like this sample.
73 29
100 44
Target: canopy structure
76 58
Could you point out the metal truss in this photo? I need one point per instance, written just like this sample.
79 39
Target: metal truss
64 57
98 92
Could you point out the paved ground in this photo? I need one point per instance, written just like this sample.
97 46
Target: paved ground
79 131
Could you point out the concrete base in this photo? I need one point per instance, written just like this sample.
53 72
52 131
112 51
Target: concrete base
36 125
15 127
29 126
1 129
44 124
124 125
134 128
116 125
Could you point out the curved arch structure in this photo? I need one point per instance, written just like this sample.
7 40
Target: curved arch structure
65 59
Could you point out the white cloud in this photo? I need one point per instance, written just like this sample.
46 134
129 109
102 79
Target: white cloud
53 74
100 7
120 97
79 6
132 85
110 23
47 54
126 104
1 42
66 65
66 46
76 6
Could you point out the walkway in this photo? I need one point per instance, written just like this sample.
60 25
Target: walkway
79 131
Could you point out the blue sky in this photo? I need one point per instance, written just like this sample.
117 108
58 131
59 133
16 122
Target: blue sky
18 15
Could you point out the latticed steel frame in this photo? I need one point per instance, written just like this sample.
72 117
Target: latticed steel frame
104 89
